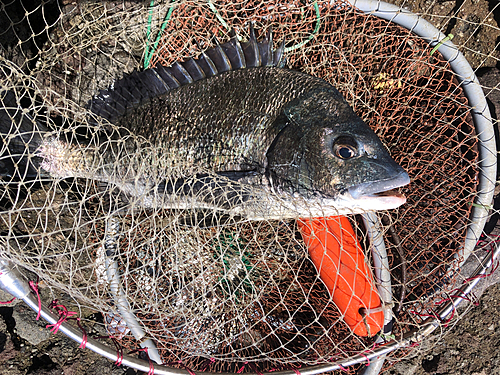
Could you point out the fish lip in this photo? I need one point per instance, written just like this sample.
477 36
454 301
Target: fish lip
378 187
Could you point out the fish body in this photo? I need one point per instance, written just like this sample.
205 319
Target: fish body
231 131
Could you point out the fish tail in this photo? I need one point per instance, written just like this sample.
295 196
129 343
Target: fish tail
21 136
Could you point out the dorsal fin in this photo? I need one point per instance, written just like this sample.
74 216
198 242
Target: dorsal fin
219 57
140 86
251 50
265 49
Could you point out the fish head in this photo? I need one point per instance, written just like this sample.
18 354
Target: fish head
326 150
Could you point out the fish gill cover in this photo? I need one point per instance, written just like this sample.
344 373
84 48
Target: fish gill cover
209 286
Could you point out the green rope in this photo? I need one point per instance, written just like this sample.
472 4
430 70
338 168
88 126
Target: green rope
148 32
217 15
292 48
449 37
151 50
311 37
230 248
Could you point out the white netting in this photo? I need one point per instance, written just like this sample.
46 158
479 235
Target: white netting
214 291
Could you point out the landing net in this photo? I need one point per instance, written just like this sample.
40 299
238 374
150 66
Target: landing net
235 296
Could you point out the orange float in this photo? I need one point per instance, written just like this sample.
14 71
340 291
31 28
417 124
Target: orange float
340 261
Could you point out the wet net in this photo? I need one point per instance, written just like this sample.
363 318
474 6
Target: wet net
218 293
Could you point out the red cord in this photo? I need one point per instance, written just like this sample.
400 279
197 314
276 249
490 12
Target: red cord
367 359
151 364
119 351
83 344
64 315
34 287
242 368
7 302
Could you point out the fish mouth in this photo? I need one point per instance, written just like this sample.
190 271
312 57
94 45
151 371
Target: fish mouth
380 195
380 188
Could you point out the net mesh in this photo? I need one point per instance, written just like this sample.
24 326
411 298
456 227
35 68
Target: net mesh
215 297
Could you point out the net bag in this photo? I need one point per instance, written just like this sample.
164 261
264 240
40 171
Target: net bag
216 294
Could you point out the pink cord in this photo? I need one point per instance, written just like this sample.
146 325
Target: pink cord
64 315
342 368
151 368
119 351
34 287
7 302
207 363
493 269
242 368
83 344
151 365
472 299
367 359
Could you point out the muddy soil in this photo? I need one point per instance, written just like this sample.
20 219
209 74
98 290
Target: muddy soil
470 347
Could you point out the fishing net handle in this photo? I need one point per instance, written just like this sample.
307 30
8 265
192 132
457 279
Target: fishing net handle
13 282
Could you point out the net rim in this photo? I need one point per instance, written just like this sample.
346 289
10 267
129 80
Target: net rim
13 282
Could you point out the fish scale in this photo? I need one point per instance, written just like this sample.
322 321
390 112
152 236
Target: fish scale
221 124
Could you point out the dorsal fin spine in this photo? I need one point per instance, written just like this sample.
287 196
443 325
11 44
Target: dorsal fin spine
251 50
159 81
210 69
194 69
234 52
136 87
181 74
266 49
219 58
239 52
167 77
278 56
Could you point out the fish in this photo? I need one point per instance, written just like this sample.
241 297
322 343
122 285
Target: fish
233 132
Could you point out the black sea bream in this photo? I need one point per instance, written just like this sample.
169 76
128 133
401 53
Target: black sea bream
232 131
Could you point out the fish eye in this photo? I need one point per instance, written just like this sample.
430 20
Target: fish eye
345 152
345 148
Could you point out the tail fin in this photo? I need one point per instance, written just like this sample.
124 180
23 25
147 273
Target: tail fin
20 135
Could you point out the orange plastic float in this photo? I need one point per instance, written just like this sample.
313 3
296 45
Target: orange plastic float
340 261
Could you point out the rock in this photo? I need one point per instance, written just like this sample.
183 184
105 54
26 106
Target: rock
7 351
470 337
475 30
27 327
4 296
490 79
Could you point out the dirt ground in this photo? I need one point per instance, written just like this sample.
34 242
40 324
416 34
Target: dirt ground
469 347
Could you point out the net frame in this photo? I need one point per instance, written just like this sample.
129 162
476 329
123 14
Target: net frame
480 214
